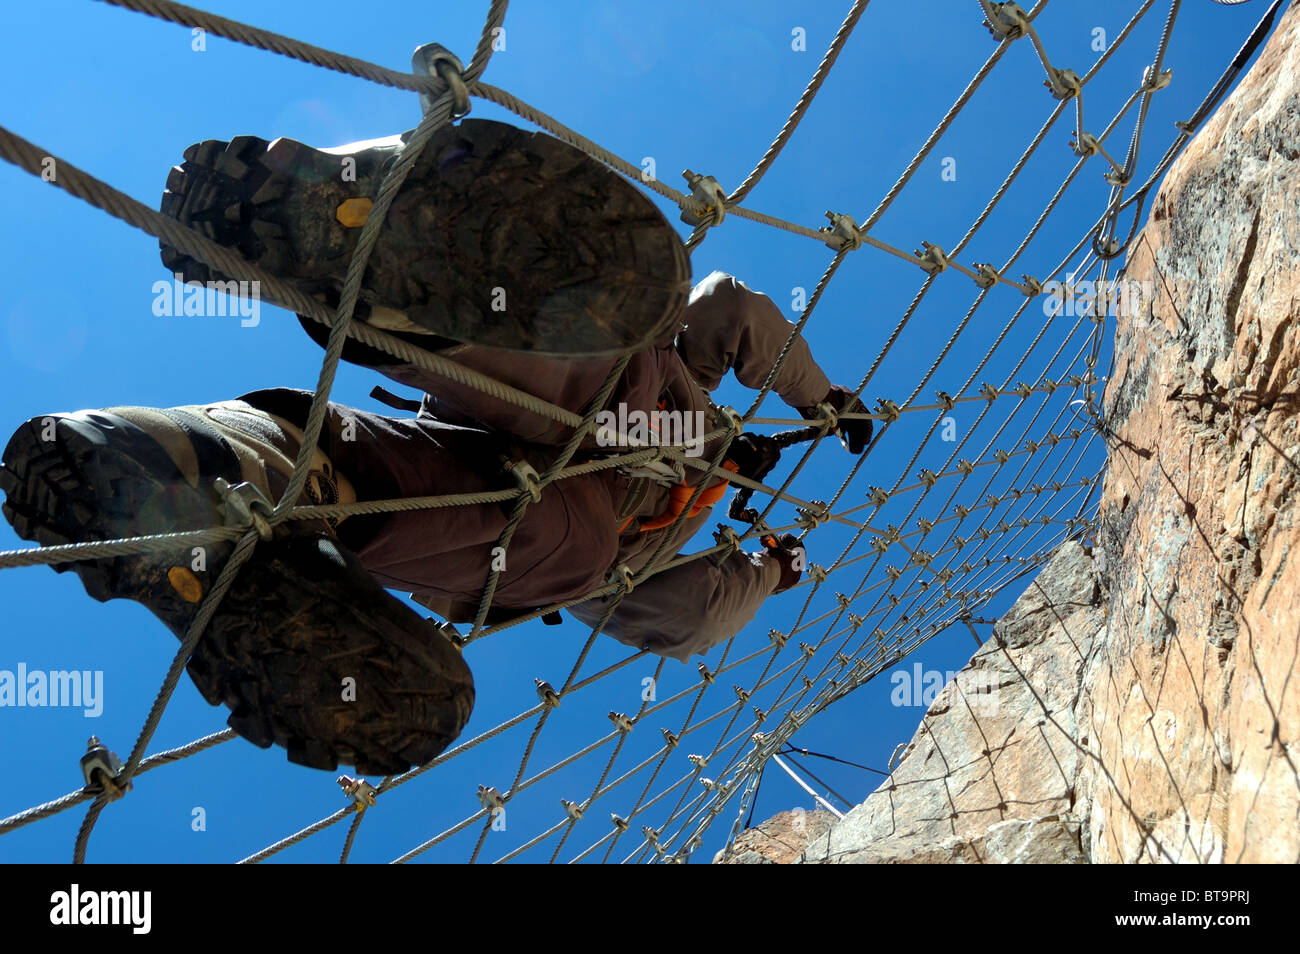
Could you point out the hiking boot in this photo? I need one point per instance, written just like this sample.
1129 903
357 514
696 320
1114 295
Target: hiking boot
306 649
498 237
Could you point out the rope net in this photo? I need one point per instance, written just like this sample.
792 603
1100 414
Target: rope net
960 522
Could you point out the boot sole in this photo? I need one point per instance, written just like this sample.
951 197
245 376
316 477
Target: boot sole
499 237
301 618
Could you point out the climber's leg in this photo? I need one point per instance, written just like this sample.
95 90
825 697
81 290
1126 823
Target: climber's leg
501 237
301 617
563 546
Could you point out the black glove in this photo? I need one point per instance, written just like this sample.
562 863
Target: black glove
854 435
754 455
790 554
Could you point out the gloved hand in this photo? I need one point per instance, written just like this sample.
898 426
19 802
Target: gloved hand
854 435
790 554
754 455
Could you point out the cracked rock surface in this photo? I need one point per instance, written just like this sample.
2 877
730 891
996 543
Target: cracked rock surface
1147 704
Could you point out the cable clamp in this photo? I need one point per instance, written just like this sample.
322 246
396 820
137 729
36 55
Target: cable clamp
525 476
1009 22
734 422
546 692
933 260
1152 81
706 191
814 515
245 505
988 275
621 576
434 59
843 233
1064 84
621 722
491 799
100 768
359 790
1085 145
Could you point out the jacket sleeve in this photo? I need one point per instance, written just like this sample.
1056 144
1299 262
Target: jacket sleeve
728 326
689 609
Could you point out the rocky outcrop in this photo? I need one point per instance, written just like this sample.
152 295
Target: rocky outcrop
780 840
1148 689
992 771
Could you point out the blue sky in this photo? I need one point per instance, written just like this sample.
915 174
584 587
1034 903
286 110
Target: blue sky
121 95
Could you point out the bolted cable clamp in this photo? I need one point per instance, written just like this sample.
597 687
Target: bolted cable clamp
622 577
706 191
491 799
100 768
359 790
1064 84
1009 21
933 259
434 59
843 233
546 692
244 505
621 722
525 476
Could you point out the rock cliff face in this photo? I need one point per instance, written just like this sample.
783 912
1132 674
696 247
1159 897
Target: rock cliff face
1148 703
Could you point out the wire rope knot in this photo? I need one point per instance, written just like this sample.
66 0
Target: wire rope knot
434 59
711 196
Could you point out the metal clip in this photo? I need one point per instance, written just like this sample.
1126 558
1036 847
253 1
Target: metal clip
621 722
490 798
933 259
1064 84
100 768
359 790
434 59
988 275
546 692
245 505
1009 22
843 233
705 190
621 576
524 475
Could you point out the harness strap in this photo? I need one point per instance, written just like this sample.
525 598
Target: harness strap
680 495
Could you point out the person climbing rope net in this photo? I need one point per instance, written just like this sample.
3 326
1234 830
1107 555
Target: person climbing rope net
596 290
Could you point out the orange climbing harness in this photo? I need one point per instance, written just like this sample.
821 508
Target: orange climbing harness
679 497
